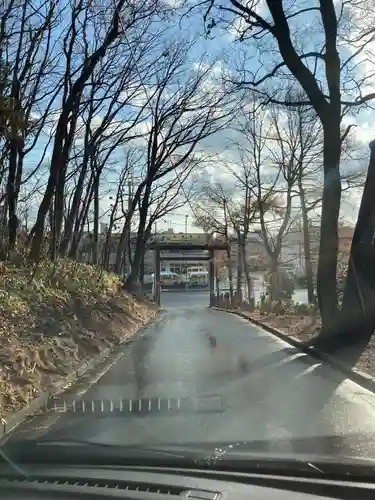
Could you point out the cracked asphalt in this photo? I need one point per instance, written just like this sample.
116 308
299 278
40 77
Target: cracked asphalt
199 375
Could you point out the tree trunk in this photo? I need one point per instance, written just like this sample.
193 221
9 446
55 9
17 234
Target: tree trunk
230 274
273 285
142 269
246 271
306 246
80 223
106 250
140 241
46 202
147 235
12 197
126 233
357 323
96 224
73 212
239 272
121 247
327 265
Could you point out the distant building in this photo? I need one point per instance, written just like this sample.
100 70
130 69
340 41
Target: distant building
256 253
177 265
293 253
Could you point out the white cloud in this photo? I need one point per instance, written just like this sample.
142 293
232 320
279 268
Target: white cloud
239 25
359 37
365 132
174 3
136 97
350 203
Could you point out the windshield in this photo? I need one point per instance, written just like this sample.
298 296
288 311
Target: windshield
187 225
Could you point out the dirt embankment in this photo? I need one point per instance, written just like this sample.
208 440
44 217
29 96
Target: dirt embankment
54 317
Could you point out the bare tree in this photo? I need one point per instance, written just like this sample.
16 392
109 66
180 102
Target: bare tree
211 212
111 94
341 91
302 136
168 195
185 109
26 48
267 173
72 97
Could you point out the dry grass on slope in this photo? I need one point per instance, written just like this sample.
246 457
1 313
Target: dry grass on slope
55 316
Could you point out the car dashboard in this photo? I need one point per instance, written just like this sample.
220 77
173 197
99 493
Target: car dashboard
159 483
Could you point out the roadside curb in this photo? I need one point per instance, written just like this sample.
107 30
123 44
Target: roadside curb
361 378
14 419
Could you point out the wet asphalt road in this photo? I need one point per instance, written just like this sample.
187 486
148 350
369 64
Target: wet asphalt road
232 382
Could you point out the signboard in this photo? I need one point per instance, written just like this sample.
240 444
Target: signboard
197 238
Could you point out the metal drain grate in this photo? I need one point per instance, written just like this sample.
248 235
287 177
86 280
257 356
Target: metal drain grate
144 406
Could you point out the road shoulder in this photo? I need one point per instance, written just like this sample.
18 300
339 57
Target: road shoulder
361 378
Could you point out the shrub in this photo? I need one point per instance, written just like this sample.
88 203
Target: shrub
28 287
304 309
283 307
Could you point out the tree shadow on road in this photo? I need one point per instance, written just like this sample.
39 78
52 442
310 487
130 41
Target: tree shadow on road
304 401
283 391
272 358
140 351
297 391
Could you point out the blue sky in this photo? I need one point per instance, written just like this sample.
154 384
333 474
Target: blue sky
231 54
257 59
